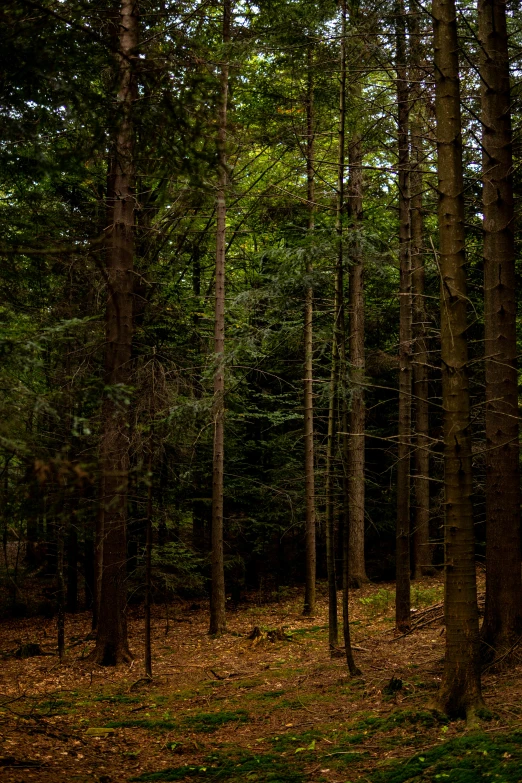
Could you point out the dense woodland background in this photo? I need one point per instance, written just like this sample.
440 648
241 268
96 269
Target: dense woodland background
217 117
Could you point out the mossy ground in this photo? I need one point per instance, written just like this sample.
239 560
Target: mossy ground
275 712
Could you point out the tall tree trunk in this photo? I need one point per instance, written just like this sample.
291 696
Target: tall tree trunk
61 587
310 565
148 566
402 602
503 614
460 690
217 600
421 545
72 566
111 642
337 337
357 417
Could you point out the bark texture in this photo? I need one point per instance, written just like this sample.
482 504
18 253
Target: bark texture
111 642
503 613
310 565
402 601
460 690
356 358
422 553
217 598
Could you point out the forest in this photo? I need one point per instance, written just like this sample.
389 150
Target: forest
259 408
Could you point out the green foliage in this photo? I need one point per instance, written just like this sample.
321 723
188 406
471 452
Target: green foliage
234 768
379 602
211 721
471 759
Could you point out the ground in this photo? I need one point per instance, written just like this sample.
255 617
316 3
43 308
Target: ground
271 709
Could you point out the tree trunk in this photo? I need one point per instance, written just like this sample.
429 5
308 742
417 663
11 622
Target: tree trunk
111 643
310 565
503 614
357 416
72 567
460 690
402 601
337 338
421 546
60 625
148 569
217 598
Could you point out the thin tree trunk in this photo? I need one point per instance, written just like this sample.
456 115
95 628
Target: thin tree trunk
61 592
460 690
421 546
310 565
337 336
148 570
357 416
72 567
111 642
217 599
402 601
503 613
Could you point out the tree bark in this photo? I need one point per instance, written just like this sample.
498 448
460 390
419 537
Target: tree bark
337 347
148 566
217 599
460 690
111 642
421 546
72 567
402 601
503 613
357 415
310 565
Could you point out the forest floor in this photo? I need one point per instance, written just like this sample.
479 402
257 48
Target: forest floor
255 710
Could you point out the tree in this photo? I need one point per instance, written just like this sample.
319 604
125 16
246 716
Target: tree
460 690
217 598
421 546
402 603
111 640
503 612
356 419
310 565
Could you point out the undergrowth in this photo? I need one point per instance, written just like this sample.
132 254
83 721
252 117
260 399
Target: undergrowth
469 759
236 768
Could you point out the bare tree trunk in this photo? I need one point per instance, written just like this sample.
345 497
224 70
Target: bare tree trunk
217 600
357 416
503 614
61 589
460 690
310 565
148 569
337 337
402 601
421 546
111 642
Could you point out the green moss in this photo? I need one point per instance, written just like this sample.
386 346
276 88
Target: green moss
270 694
118 698
143 723
400 718
470 759
264 768
211 721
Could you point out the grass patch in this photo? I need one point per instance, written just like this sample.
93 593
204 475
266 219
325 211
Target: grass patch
143 723
470 759
304 631
118 698
211 721
372 725
270 694
265 768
